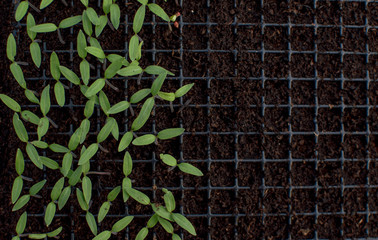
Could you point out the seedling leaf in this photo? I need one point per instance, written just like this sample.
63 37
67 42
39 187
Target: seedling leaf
66 164
55 233
88 154
115 15
97 52
158 11
114 193
57 189
30 22
142 234
11 47
125 141
133 47
119 107
75 176
21 10
21 202
105 235
33 155
127 164
144 114
92 15
12 104
58 148
138 196
64 196
190 169
34 190
169 201
44 28
71 21
168 159
167 96
140 95
35 52
18 183
71 76
144 140
105 131
43 127
166 225
49 163
152 221
59 94
139 19
21 224
45 3
50 213
170 133
157 70
54 66
158 83
18 74
130 71
20 162
45 100
183 222
81 45
30 117
104 209
95 87
122 223
113 68
87 25
91 222
81 200
183 90
87 189
20 129
85 71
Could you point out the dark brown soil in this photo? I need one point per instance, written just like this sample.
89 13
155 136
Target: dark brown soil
259 179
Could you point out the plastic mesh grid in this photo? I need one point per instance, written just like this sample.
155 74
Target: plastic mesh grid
266 214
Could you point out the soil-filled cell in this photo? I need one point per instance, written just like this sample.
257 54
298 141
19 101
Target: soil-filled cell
276 174
302 38
302 92
222 11
355 199
249 65
249 37
195 147
222 227
222 64
329 200
355 146
303 200
354 66
249 147
222 201
250 174
276 65
222 119
248 92
276 92
198 40
250 228
354 13
302 119
195 64
355 172
275 11
373 225
276 146
302 12
248 11
195 202
354 93
276 227
354 39
329 65
328 12
248 119
303 174
222 37
276 119
329 92
196 119
303 227
302 65
354 226
222 174
249 201
221 92
329 120
303 146
329 146
329 226
276 201
329 173
275 38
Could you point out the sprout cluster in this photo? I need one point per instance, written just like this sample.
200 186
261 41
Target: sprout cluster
74 169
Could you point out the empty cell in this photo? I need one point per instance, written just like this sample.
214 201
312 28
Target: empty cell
302 119
329 200
170 61
249 65
194 11
303 146
329 119
165 118
108 36
196 119
373 225
355 146
373 199
355 199
276 146
248 92
372 40
373 146
166 38
372 9
222 174
276 119
355 172
248 119
302 65
222 37
301 38
329 146
373 172
328 38
249 147
250 174
275 38
354 39
221 92
329 173
373 93
302 227
196 64
249 201
276 174
354 119
142 169
354 226
329 226
303 200
250 228
302 12
276 65
303 173
199 92
276 227
222 11
276 201
354 13
275 11
164 176
302 92
202 231
248 11
328 12
114 169
195 202
222 64
53 44
354 93
276 92
354 66
372 67
195 37
222 119
329 65
329 92
195 147
190 180
222 227
222 201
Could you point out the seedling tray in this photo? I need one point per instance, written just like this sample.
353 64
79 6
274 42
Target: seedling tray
282 119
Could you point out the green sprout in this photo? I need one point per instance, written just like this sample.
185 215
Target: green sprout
75 176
